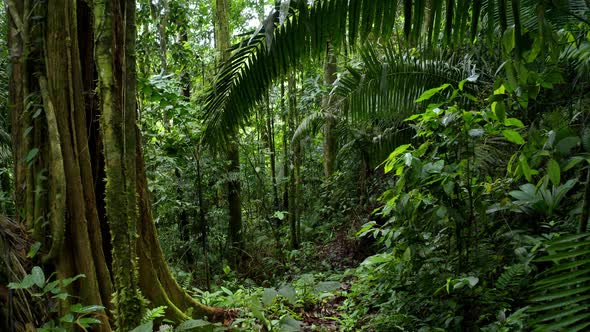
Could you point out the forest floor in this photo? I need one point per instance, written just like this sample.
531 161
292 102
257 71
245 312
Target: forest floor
319 290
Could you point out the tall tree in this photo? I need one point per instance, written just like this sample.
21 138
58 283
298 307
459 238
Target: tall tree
330 68
295 164
222 43
55 66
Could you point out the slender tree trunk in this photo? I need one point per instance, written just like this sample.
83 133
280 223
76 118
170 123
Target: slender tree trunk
204 227
327 106
294 166
272 149
286 161
162 30
236 244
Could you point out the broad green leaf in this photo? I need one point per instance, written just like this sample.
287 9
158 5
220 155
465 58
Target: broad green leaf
472 281
288 324
430 93
68 318
226 291
508 39
554 172
562 323
146 327
34 249
366 227
280 215
38 276
377 259
289 293
31 155
193 324
88 321
525 168
67 281
513 136
513 122
328 286
268 296
399 150
499 109
256 310
565 145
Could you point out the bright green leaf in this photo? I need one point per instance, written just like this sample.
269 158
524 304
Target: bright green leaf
513 136
430 93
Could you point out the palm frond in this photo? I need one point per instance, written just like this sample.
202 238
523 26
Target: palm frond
562 296
310 124
279 44
388 82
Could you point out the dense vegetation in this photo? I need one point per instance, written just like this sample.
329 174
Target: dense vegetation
327 165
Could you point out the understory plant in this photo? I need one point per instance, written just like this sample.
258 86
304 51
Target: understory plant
463 224
64 316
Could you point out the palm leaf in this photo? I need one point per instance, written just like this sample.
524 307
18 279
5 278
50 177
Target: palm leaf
387 83
279 45
560 297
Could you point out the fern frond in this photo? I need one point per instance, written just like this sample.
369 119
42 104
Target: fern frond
510 277
153 314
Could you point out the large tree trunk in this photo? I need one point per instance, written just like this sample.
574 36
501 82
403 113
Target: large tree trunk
51 95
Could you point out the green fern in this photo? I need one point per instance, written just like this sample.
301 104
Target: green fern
511 277
153 314
561 298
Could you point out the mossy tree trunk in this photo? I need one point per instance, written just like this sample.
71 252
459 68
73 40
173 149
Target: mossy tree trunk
59 170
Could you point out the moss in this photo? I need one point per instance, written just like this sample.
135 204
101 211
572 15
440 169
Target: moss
120 183
57 185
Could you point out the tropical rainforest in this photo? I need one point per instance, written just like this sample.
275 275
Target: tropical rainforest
294 165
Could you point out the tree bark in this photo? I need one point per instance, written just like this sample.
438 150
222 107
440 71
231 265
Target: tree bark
51 99
294 166
327 106
236 243
270 128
